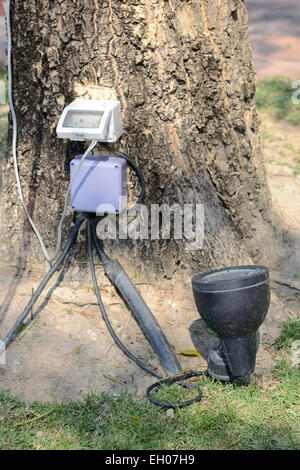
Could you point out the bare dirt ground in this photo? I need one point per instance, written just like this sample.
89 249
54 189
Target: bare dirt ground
68 351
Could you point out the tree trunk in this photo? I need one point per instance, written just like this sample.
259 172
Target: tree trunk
184 75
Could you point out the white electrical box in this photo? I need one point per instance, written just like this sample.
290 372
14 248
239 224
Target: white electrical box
91 120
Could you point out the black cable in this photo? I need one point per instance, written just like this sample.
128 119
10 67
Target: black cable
136 170
58 281
51 272
170 381
140 310
102 255
103 312
92 237
92 232
141 198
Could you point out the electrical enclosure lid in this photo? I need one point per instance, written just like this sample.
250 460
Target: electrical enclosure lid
91 120
100 186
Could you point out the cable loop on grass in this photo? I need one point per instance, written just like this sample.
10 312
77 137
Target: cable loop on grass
170 381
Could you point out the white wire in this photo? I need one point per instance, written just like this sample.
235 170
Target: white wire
15 130
15 157
59 230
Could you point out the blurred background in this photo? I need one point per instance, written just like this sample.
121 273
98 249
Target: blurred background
274 29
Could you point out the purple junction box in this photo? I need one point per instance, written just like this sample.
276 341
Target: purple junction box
100 186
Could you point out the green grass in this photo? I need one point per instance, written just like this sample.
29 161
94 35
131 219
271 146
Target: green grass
290 332
260 416
275 96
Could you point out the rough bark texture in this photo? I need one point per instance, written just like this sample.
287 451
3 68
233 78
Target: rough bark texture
183 73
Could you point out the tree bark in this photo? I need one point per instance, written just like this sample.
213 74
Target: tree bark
184 75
